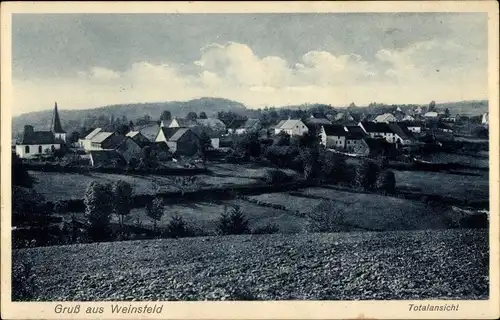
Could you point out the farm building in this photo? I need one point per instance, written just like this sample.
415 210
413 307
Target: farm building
129 149
294 127
181 141
333 136
85 143
105 140
138 137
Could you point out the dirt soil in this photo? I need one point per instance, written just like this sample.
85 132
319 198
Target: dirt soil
433 264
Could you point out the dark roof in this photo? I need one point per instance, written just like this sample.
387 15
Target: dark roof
335 130
403 133
56 122
355 129
106 157
355 135
124 146
236 124
411 123
376 127
39 137
169 132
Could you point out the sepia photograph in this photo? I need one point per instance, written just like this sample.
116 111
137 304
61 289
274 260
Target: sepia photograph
249 156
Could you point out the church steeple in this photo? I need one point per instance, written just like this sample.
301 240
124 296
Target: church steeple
55 126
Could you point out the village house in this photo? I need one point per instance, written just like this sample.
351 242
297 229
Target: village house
85 143
385 118
431 115
293 127
356 143
316 122
392 132
413 126
240 126
105 141
39 142
333 136
138 137
129 149
178 123
180 141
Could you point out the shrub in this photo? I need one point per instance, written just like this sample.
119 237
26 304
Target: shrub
233 221
366 175
177 227
24 284
98 208
333 167
267 229
386 182
326 217
275 176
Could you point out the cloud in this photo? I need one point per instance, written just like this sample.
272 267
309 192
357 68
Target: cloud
233 70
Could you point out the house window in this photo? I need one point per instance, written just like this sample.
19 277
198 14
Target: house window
27 149
39 149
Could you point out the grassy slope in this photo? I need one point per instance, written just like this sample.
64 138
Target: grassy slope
447 264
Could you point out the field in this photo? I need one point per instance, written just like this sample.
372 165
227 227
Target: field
479 162
63 186
432 264
445 184
204 216
369 211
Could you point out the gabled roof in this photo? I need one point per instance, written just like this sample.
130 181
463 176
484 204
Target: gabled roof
93 133
236 124
411 124
376 127
401 131
124 145
386 117
335 130
251 123
168 132
132 134
288 124
101 136
431 114
39 137
178 134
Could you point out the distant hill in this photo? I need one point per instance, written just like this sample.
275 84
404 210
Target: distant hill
72 119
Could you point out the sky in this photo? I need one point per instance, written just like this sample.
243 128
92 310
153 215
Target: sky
90 60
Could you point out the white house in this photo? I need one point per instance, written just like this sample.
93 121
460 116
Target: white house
333 136
386 117
431 115
85 143
412 126
392 132
294 127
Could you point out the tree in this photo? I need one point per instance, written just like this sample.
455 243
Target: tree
310 139
446 112
122 191
283 139
192 115
98 208
366 175
177 227
123 129
387 182
432 106
74 137
154 210
334 167
131 125
249 145
310 164
19 174
166 115
233 221
205 144
203 115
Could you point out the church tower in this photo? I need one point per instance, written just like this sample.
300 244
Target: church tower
56 127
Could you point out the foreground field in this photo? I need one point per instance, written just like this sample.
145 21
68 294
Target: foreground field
444 264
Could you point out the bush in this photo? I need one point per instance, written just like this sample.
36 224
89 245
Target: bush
366 175
267 229
327 217
177 228
233 221
386 182
24 285
275 176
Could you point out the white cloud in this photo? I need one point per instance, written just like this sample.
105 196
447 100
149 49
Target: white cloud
234 71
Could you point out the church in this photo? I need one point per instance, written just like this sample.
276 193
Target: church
39 142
